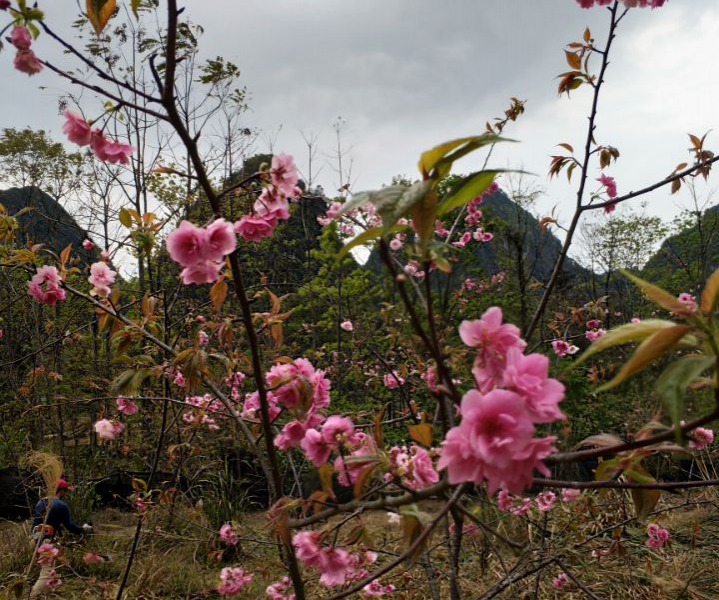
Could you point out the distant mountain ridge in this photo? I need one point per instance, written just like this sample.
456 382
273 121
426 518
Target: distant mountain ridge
47 223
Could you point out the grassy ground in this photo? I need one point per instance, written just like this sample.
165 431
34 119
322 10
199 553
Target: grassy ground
178 558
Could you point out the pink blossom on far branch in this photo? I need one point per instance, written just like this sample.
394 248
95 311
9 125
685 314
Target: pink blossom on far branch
77 129
101 278
563 348
232 580
21 37
52 293
126 407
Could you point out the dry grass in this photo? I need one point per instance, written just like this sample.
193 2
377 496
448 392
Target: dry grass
177 557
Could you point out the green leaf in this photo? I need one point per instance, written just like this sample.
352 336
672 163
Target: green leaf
125 217
366 236
658 295
413 523
471 187
391 206
672 384
651 348
135 5
437 161
99 13
629 332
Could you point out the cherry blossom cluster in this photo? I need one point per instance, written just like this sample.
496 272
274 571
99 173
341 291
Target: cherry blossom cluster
703 437
272 205
232 580
657 536
560 580
101 278
45 286
302 391
564 348
594 330
413 467
280 590
25 59
46 555
627 3
690 301
335 565
107 429
545 501
126 407
201 408
480 287
610 188
495 441
201 250
228 534
79 131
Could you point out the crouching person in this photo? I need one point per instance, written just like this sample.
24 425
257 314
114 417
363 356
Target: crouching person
49 519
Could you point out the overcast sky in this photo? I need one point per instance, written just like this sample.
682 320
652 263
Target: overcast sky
408 74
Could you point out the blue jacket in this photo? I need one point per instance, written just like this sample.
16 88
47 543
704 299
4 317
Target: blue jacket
59 515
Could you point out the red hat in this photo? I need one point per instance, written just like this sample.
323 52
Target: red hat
63 485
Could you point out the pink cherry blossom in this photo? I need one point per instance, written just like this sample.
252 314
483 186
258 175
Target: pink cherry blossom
347 325
203 338
689 301
26 62
594 324
91 558
315 447
570 495
657 536
107 430
232 580
228 534
545 501
493 340
52 293
702 438
125 406
609 184
47 553
255 228
504 501
88 245
187 245
334 565
4 4
270 205
594 334
393 380
280 590
101 278
79 132
495 442
396 244
376 590
560 580
203 272
109 150
21 37
563 348
528 376
283 174
220 240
